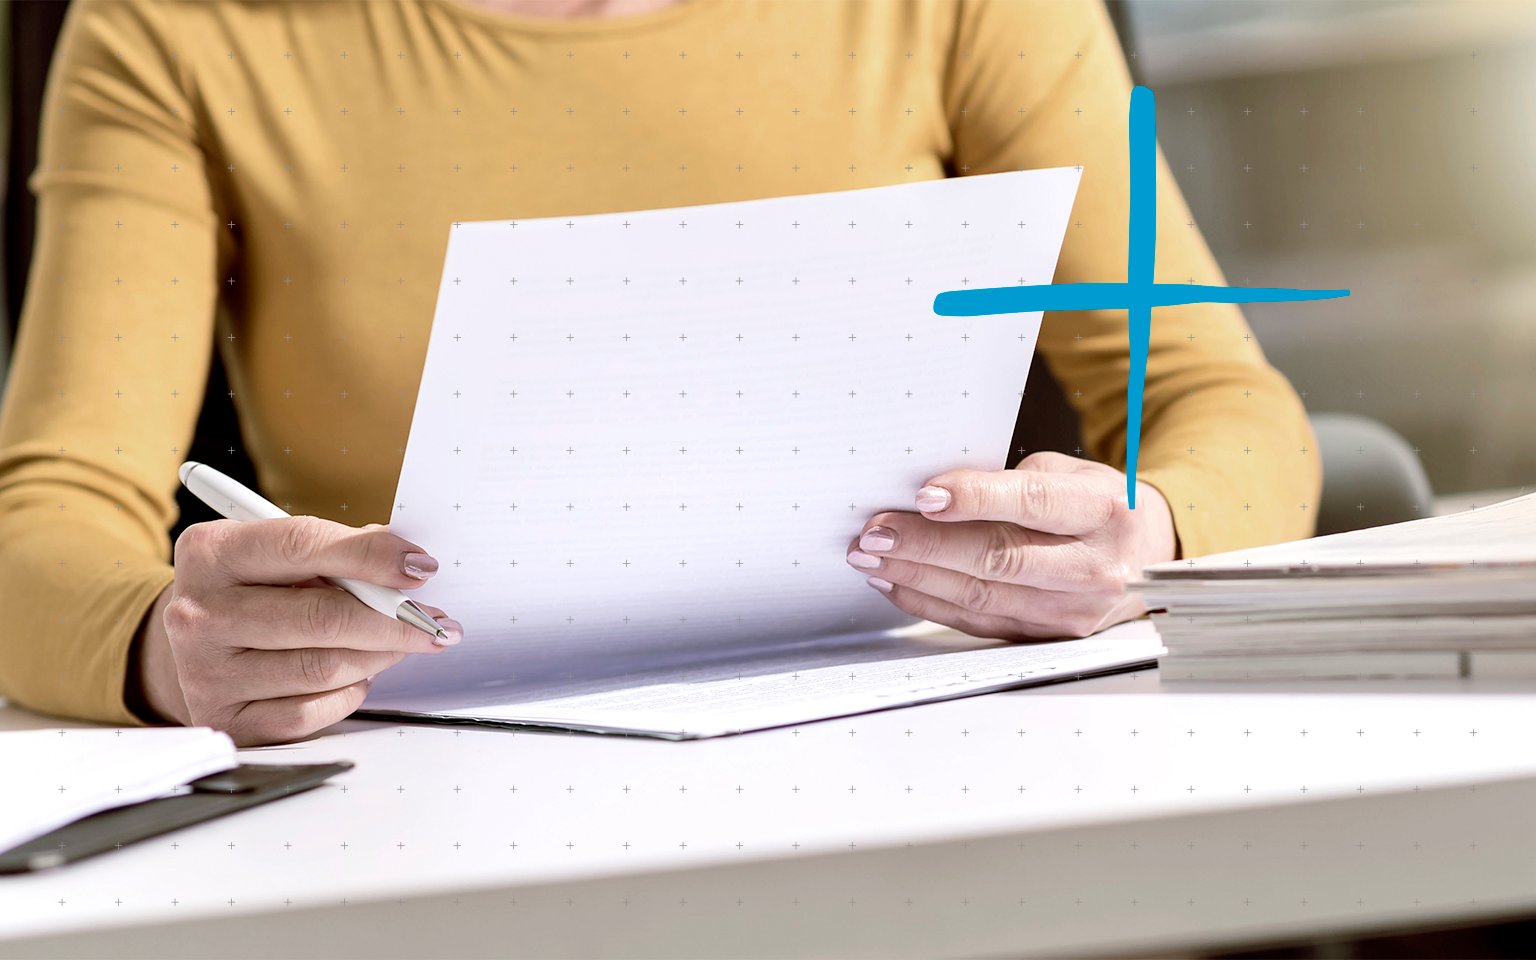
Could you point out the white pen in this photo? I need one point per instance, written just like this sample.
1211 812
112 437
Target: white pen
233 499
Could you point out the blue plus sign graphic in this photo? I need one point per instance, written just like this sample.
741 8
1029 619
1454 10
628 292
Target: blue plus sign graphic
1137 296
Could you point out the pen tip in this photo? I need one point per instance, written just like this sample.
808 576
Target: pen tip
186 470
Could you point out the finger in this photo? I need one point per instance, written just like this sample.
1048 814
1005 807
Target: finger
949 614
1051 461
295 549
281 719
1072 504
1004 552
270 674
287 618
324 584
1049 612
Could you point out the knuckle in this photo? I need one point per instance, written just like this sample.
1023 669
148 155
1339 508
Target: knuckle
1111 576
192 540
234 719
921 546
319 666
978 595
184 617
204 540
317 712
289 722
200 696
1002 557
201 675
1110 507
321 618
298 540
1037 498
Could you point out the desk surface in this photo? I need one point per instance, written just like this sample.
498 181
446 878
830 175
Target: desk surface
1117 814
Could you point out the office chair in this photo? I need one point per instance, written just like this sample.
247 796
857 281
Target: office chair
1371 476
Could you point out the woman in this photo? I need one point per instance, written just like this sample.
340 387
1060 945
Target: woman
276 179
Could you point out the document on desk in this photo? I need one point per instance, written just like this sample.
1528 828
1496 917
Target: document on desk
55 777
1447 596
644 442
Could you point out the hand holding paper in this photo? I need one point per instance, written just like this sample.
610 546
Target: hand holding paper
643 440
1037 552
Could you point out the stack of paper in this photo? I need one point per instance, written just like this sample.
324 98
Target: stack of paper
55 777
1445 596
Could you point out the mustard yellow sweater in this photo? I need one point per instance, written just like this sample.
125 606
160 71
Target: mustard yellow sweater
276 180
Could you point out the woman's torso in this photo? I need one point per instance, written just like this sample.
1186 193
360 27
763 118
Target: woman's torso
343 139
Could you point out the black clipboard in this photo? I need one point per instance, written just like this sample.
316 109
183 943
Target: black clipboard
215 795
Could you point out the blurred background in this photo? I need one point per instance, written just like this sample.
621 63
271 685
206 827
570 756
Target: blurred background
1386 146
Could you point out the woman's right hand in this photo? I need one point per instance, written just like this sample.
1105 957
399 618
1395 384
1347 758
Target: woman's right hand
250 641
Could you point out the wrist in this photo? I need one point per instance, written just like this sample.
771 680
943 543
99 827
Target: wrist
1160 538
153 689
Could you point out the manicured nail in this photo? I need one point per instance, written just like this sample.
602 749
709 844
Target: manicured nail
878 538
932 499
453 628
418 565
863 561
884 586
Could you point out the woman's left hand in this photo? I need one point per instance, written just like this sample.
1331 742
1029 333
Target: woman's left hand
1040 551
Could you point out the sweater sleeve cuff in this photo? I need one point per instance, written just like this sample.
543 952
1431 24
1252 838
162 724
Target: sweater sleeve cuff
87 679
118 649
1201 524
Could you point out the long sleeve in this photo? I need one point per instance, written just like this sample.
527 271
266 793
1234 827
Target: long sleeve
110 364
1043 83
329 145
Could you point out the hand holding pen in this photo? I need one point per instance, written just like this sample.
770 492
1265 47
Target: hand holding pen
275 625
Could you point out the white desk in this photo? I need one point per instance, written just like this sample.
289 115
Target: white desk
1111 815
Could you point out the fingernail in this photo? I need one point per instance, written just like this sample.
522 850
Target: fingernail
453 628
932 499
878 538
418 565
884 586
863 561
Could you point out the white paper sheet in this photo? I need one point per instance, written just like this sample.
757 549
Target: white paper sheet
55 777
645 440
1498 535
